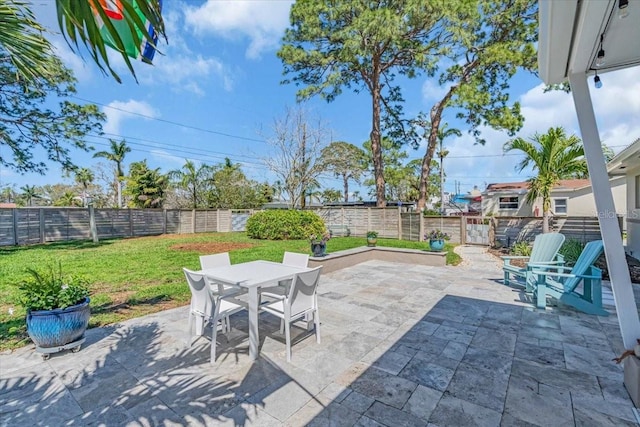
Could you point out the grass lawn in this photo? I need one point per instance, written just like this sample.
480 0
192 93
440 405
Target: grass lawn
133 277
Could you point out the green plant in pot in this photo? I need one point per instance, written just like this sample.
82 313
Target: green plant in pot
57 309
372 238
319 244
436 239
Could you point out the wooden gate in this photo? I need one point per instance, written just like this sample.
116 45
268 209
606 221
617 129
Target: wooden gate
477 231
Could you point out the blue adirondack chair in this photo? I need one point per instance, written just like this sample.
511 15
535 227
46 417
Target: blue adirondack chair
544 252
551 281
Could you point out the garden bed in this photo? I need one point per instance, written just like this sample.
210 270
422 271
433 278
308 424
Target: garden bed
348 257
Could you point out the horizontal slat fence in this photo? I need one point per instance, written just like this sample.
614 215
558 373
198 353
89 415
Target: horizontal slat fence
26 226
510 230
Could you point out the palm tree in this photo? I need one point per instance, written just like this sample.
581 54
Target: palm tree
554 156
21 36
116 155
29 192
191 179
84 177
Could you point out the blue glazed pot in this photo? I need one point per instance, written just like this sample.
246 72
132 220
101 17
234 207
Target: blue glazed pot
436 244
60 326
319 248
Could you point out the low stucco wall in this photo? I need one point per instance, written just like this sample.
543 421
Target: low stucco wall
342 259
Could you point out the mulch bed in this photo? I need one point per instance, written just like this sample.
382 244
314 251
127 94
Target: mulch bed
210 247
634 264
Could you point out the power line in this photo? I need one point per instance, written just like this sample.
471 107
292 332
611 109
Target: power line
172 122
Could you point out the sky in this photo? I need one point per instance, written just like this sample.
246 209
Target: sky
215 91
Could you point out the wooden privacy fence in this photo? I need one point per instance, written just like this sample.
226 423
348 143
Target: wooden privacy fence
510 230
25 226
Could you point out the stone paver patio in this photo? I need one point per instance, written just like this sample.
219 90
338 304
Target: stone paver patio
402 345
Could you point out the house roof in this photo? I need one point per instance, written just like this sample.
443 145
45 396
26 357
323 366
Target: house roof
8 205
626 159
563 184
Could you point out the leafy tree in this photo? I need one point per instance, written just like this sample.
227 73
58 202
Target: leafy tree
145 186
29 192
444 132
8 194
480 46
553 156
68 198
339 44
233 190
345 161
296 155
195 181
84 177
330 195
32 126
118 151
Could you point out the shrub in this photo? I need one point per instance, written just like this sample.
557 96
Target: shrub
284 225
47 290
571 250
521 248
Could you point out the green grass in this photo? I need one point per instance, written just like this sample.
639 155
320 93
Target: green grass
133 277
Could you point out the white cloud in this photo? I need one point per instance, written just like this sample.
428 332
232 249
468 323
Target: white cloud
263 22
616 106
121 111
72 60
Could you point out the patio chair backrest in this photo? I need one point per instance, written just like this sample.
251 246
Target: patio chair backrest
546 247
302 295
215 260
200 293
295 259
587 258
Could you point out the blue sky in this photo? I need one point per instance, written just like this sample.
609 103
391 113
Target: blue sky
216 92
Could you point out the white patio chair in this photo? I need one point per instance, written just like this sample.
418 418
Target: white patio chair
208 306
293 259
219 260
301 300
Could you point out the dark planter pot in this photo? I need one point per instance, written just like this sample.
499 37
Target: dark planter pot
319 248
58 327
436 245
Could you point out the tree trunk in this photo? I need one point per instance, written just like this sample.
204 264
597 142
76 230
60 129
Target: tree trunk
436 115
545 221
376 144
345 181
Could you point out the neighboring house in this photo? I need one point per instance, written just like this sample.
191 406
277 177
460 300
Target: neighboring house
570 197
626 165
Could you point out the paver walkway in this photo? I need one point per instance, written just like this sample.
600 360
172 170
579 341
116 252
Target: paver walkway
402 345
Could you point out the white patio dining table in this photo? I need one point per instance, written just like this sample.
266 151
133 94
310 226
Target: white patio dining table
251 276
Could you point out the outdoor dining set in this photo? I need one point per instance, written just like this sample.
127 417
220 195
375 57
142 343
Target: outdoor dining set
287 290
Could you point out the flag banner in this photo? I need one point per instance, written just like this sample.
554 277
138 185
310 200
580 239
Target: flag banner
136 46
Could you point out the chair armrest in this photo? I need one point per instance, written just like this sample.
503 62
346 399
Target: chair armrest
552 273
514 257
548 266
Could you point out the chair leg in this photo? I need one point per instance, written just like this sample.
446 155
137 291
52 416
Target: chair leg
214 334
541 296
282 326
316 318
506 278
287 328
189 329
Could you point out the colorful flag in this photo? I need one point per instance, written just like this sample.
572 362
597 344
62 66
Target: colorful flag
136 46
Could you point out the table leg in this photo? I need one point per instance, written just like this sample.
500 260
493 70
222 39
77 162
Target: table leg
254 338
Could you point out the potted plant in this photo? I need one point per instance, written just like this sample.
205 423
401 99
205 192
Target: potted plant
57 309
319 244
372 238
436 239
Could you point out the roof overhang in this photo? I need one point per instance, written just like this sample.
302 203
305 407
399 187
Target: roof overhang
627 159
571 32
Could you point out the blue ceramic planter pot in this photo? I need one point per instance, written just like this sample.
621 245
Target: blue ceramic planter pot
58 327
436 244
319 248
